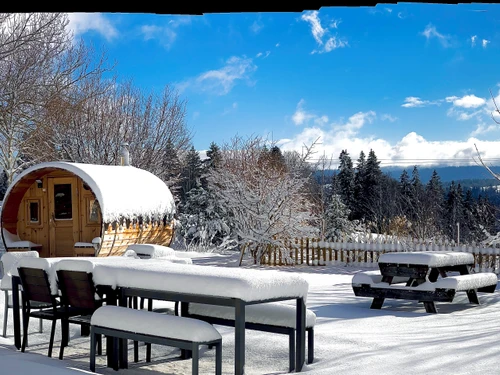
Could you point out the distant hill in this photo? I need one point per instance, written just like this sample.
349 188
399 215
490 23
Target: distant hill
447 174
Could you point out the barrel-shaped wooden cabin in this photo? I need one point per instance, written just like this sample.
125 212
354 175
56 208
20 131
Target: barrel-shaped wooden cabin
72 209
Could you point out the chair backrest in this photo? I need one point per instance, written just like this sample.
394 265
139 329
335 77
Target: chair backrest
78 290
36 286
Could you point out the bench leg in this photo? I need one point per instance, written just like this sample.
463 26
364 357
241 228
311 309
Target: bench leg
430 307
136 351
218 358
310 345
291 350
92 350
473 298
196 358
377 303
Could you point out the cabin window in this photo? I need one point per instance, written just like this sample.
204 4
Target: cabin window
93 210
63 208
34 212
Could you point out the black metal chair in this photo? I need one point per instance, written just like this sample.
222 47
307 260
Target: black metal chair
36 293
79 300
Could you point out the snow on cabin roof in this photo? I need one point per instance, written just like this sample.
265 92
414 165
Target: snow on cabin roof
122 191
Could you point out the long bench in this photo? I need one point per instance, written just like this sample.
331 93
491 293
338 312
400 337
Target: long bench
370 284
273 317
180 332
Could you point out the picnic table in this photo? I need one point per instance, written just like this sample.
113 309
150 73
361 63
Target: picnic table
222 286
428 277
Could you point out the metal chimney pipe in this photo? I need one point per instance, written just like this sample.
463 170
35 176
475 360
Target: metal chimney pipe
125 157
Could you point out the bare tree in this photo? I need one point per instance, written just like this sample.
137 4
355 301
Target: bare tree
39 63
269 201
90 125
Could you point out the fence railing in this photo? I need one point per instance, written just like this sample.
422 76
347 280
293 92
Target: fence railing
313 252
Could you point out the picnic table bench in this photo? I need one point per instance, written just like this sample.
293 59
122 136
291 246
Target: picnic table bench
428 277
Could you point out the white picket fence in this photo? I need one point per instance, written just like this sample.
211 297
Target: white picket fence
314 252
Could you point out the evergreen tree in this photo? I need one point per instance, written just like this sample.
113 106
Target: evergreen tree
405 195
214 155
359 186
434 203
192 172
371 197
173 167
454 210
337 221
345 179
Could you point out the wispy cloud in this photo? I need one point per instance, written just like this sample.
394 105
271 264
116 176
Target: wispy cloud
165 34
233 107
473 40
263 55
302 117
81 23
388 117
485 43
431 32
319 32
388 10
484 128
256 26
221 81
277 45
413 101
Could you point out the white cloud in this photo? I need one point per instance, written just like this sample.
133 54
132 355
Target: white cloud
166 35
388 10
318 32
413 101
388 117
81 23
467 101
260 54
485 43
483 129
221 81
400 15
233 107
473 40
257 26
431 32
301 116
277 45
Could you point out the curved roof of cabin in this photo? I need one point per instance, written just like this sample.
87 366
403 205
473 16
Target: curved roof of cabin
122 191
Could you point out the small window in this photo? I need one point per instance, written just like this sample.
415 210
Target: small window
93 210
63 208
34 212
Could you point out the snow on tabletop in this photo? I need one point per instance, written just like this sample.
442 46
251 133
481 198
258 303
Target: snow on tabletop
9 261
248 285
130 254
430 258
154 251
272 313
152 323
114 185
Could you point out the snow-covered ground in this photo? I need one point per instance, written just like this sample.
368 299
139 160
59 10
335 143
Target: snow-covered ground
350 338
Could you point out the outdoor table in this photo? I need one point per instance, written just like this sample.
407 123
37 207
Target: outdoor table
223 286
414 276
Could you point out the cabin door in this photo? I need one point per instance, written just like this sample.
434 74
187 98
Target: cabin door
63 216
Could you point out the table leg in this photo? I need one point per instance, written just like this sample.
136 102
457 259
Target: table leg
430 307
15 306
377 303
300 329
111 350
239 338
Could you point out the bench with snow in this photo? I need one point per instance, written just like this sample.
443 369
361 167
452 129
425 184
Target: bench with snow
370 284
273 317
139 325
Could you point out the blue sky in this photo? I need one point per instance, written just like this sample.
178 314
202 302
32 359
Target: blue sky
410 81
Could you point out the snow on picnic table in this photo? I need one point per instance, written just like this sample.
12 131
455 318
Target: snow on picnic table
350 338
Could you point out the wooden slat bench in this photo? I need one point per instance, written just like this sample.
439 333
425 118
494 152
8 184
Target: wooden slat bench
273 317
154 328
370 284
